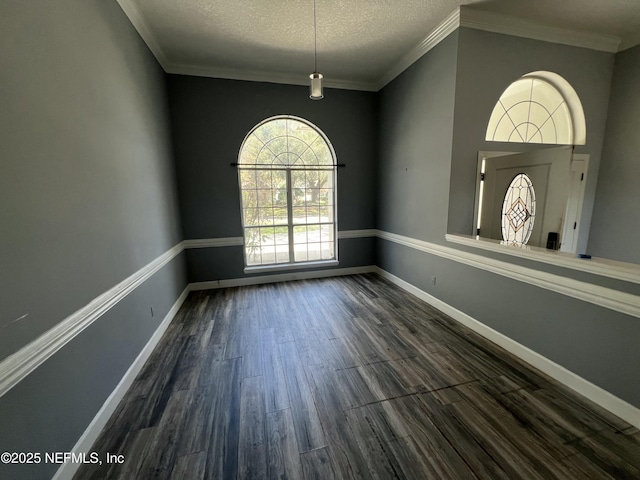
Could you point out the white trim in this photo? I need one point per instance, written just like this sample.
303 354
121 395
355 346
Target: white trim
213 242
627 272
17 366
587 292
275 267
370 232
521 27
90 435
281 277
460 17
442 31
605 399
139 23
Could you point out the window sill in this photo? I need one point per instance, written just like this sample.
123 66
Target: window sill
628 272
290 266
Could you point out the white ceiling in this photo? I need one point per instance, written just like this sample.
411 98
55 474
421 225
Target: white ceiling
361 43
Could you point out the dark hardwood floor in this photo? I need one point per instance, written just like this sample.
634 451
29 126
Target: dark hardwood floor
348 377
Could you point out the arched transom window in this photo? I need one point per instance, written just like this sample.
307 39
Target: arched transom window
287 173
540 107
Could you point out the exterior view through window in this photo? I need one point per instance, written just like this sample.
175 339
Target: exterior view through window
287 180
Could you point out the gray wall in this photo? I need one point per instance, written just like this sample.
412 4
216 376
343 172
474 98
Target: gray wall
595 343
616 218
487 64
211 117
416 129
87 198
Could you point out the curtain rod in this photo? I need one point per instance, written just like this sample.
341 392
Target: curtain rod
266 167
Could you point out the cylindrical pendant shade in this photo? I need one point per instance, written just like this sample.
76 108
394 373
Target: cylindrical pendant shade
316 86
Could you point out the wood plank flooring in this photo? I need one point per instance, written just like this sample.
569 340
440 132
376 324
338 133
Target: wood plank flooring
348 378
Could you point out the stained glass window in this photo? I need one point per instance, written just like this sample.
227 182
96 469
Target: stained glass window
518 210
287 182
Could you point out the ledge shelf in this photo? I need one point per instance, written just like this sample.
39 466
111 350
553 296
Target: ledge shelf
627 272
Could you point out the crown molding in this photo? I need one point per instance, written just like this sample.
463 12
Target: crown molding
461 17
448 25
258 76
520 27
139 23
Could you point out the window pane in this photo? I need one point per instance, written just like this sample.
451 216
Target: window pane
300 235
299 215
326 197
252 246
280 197
282 235
327 251
265 197
297 147
309 157
282 254
300 253
249 198
298 179
279 179
313 214
326 234
251 218
313 252
313 233
263 179
266 216
248 179
250 150
326 214
278 145
280 216
267 236
265 157
313 196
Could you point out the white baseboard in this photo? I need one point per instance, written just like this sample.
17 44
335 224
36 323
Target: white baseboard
281 277
90 435
598 395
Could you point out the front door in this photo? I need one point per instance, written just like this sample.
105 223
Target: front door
548 170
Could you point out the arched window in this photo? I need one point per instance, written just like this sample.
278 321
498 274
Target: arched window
540 107
287 174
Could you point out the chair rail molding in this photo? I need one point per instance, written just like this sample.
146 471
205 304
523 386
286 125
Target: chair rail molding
587 292
15 367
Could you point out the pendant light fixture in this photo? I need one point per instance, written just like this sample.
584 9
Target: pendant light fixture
316 77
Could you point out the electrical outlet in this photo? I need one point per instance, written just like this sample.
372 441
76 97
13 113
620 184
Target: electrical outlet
433 280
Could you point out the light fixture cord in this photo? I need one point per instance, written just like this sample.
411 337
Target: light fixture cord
315 39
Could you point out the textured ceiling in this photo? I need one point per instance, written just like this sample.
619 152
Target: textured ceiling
359 41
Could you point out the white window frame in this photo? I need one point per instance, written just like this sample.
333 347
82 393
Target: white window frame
291 264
